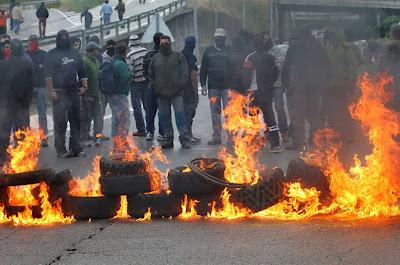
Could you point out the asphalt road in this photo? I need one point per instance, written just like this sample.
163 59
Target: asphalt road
313 241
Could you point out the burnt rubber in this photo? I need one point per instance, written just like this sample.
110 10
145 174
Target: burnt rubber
11 210
26 178
309 176
59 186
125 185
161 205
262 195
84 208
115 168
205 203
191 183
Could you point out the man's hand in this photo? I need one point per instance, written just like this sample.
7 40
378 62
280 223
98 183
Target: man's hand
204 91
82 90
53 96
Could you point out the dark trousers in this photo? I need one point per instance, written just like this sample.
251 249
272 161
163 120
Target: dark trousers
138 98
120 16
3 30
42 27
190 113
67 109
151 111
303 106
263 100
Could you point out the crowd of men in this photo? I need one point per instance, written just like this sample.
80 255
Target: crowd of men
318 78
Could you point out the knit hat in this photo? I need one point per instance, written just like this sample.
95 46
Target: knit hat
92 46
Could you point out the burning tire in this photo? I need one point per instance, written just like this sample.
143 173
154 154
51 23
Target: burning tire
59 185
125 185
205 203
115 168
161 205
84 208
26 178
262 195
309 176
190 183
11 210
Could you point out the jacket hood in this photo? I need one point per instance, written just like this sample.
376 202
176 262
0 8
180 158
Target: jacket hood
63 39
190 42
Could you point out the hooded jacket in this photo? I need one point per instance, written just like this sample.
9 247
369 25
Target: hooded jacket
64 65
191 94
168 74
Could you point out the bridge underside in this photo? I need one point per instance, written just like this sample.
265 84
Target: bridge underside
358 17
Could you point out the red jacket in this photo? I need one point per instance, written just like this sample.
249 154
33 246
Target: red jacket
3 20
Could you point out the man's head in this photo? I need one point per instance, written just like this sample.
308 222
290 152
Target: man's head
4 37
16 48
165 45
106 1
76 43
110 47
121 50
220 38
92 49
156 39
95 39
33 44
262 41
190 42
6 49
63 40
134 40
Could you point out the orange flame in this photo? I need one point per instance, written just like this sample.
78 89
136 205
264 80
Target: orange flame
188 209
156 176
229 210
90 185
123 209
147 216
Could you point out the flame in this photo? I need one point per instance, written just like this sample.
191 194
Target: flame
243 123
188 209
156 176
123 210
124 148
90 185
3 217
229 210
147 216
24 158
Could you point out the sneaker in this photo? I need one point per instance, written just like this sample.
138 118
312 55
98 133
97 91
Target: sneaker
150 137
45 143
97 142
160 138
80 154
68 154
215 141
168 145
139 134
275 149
194 141
186 145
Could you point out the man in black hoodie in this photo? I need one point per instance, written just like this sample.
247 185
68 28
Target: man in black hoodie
42 13
66 81
18 90
191 92
151 98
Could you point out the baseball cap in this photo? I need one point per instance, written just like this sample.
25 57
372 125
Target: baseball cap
220 32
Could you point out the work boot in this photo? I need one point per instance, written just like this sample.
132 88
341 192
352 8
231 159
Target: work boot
194 141
161 138
186 145
167 144
150 137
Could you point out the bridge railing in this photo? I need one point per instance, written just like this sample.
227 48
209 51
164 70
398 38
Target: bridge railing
121 28
31 4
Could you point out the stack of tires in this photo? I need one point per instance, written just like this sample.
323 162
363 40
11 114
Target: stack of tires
117 178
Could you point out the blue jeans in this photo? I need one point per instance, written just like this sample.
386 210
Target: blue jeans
40 96
218 101
151 108
120 122
106 19
138 91
180 119
280 109
16 26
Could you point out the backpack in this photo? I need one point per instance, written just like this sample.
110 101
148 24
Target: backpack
107 80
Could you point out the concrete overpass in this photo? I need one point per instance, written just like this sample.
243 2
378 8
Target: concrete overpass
288 14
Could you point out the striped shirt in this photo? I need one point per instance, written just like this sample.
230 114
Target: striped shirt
135 60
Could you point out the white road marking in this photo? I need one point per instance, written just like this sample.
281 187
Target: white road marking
66 17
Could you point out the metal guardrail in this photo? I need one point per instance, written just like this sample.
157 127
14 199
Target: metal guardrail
30 4
121 28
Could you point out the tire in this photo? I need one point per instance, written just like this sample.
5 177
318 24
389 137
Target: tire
262 195
191 183
125 185
309 176
59 186
161 205
205 203
14 210
115 168
85 208
26 178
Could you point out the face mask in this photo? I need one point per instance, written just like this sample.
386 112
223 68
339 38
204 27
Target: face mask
64 44
33 46
165 48
219 43
111 51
